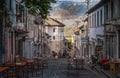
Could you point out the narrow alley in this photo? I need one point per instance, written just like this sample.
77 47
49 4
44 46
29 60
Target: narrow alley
59 38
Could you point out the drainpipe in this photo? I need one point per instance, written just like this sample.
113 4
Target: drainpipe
42 35
87 46
13 19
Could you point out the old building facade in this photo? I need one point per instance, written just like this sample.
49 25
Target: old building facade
112 29
96 29
2 41
80 39
55 29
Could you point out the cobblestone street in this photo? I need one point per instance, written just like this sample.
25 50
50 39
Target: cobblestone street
58 69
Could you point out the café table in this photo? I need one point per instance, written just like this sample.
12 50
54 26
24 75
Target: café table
114 67
3 70
16 68
21 67
38 63
30 65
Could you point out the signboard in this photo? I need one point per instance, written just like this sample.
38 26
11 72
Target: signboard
84 40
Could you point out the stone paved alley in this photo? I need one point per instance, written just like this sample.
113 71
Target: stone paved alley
57 68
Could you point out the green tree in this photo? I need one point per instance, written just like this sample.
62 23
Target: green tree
39 7
69 41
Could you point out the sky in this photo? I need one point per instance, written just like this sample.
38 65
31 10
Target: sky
78 0
93 1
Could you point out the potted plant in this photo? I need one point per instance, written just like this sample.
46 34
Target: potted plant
94 59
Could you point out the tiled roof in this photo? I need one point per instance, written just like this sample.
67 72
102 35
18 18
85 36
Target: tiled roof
53 22
77 28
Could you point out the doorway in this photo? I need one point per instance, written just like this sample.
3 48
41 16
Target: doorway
119 44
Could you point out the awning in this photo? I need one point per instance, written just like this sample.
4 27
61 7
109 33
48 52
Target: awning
100 37
21 31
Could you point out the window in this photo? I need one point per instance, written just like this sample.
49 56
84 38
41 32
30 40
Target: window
61 30
53 29
101 15
98 18
95 19
118 9
119 44
111 45
112 9
92 20
89 21
107 11
53 37
10 5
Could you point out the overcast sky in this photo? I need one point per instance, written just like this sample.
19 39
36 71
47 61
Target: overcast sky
94 1
78 0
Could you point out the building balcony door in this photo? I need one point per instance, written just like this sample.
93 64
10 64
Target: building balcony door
111 46
19 47
119 44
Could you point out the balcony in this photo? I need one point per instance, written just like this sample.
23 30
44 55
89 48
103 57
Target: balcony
21 29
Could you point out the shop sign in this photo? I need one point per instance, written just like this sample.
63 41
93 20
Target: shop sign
84 40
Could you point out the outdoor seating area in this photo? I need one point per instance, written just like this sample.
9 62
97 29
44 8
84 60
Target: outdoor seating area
112 66
23 68
105 64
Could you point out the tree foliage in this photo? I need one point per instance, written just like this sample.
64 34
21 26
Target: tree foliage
69 41
39 7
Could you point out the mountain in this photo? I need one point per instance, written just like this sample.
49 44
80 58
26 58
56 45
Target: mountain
68 9
68 12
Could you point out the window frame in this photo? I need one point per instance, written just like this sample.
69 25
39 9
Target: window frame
54 30
53 37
